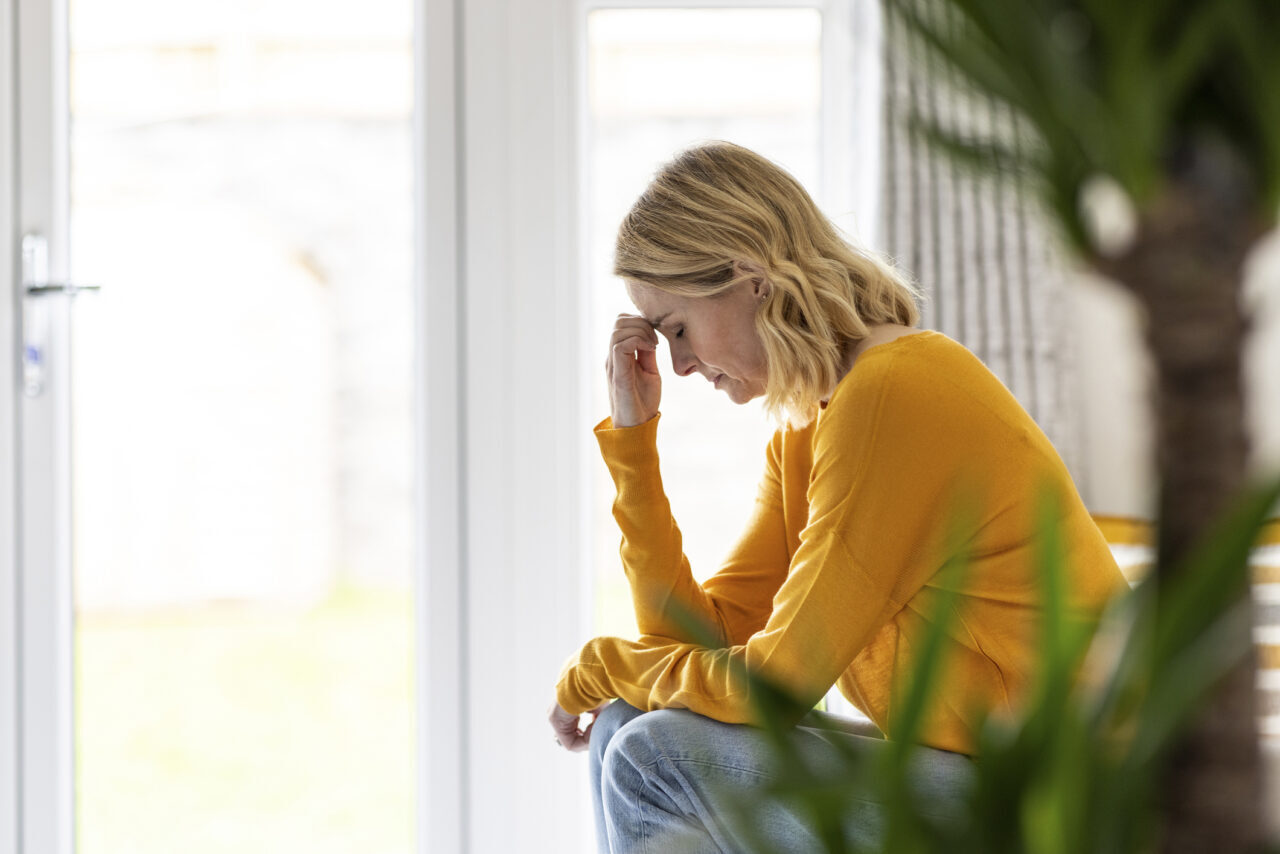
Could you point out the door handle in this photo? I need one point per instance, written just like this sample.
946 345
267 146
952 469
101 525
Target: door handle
65 288
35 270
36 321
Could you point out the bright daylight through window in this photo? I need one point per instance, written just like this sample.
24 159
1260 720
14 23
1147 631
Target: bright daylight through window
241 190
659 81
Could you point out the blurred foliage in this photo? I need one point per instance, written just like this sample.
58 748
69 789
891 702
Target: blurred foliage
1122 90
1080 768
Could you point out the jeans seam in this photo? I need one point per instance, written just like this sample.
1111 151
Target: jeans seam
693 818
643 818
761 775
703 764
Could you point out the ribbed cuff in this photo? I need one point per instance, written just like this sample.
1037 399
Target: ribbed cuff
631 455
574 690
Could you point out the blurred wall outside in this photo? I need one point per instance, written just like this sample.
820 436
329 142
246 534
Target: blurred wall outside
241 189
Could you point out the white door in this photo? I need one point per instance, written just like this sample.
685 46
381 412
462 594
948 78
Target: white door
95 557
207 594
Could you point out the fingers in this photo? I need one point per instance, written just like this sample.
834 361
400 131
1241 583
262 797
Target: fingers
567 733
566 727
574 739
595 716
629 353
633 321
632 371
630 335
576 743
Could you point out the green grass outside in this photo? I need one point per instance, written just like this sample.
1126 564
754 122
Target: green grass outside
247 728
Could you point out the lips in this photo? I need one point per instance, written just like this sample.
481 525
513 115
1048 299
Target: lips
716 381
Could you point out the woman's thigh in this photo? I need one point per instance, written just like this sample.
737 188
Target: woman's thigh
674 775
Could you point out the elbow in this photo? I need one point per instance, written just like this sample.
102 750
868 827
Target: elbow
776 707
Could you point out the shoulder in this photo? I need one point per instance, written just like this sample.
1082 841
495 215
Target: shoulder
916 386
905 367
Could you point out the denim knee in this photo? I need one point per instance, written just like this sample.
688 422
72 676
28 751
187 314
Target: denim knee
658 783
629 764
615 716
643 739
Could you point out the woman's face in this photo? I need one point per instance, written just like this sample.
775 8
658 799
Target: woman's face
712 336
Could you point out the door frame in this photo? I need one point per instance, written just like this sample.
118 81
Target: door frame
10 805
35 568
502 592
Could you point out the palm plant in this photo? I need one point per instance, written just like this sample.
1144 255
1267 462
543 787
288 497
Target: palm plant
1175 103
1078 768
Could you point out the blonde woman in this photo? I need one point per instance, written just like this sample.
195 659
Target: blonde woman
890 436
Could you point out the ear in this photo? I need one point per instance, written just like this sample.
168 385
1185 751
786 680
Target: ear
759 281
760 286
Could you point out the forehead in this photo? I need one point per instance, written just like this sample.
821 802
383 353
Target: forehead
652 303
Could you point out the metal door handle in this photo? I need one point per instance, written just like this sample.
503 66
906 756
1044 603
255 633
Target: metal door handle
35 270
36 322
48 289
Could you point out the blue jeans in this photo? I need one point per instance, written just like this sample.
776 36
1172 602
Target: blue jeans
668 781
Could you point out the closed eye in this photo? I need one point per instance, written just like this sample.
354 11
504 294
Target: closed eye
679 333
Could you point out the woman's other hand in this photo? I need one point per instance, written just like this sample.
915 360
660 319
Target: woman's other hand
635 388
567 730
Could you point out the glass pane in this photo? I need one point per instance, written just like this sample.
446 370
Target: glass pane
241 190
659 81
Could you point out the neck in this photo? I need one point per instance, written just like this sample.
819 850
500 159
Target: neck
849 352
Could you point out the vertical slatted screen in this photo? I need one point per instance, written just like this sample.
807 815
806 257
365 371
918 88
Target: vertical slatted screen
977 245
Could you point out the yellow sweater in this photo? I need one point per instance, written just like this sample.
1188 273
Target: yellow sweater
921 455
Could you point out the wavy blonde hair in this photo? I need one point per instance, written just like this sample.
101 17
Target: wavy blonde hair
719 203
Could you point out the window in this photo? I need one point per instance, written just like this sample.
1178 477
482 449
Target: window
241 189
659 81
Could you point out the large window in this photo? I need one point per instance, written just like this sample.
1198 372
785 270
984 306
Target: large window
660 80
241 190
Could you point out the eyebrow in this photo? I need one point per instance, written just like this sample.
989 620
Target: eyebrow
659 320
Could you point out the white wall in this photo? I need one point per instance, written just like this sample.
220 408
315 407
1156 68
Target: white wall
1114 373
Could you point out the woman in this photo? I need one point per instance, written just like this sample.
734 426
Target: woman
900 455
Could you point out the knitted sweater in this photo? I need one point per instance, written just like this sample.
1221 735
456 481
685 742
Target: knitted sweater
922 473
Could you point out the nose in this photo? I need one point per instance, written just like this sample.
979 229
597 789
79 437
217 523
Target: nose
683 362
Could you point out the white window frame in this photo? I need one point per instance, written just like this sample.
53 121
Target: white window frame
502 594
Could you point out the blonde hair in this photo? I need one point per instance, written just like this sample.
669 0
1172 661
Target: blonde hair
719 203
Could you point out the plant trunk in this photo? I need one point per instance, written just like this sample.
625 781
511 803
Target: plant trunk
1186 268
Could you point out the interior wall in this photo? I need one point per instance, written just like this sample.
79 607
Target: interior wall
1114 373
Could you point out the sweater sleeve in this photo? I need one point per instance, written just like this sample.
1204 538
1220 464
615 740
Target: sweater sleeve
736 601
885 460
